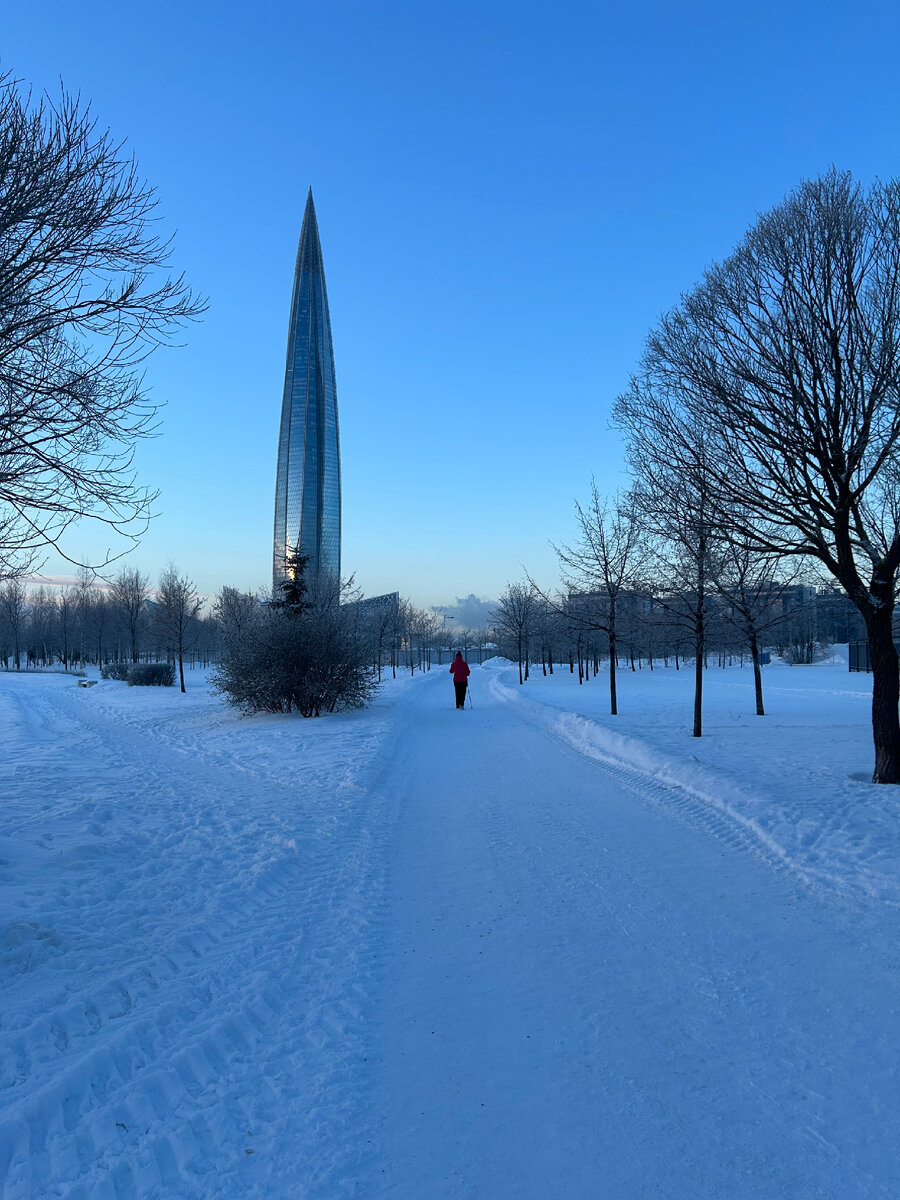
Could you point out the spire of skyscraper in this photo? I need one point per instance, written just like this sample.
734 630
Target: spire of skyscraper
308 481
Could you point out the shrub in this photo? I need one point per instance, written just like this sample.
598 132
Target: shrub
804 653
284 661
115 670
151 674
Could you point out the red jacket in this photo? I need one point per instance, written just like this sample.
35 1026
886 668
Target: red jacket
459 669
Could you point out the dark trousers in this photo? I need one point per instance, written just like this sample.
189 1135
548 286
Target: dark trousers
460 693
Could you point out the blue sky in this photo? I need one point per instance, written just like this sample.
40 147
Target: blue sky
508 194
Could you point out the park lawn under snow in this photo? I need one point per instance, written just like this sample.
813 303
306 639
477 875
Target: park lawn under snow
527 950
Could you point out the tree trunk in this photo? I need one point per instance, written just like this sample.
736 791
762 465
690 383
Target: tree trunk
613 698
757 673
700 632
698 687
181 669
885 695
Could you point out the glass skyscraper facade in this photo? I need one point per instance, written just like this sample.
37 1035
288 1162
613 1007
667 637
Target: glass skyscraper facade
308 482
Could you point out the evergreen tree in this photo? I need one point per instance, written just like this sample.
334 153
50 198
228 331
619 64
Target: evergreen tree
295 586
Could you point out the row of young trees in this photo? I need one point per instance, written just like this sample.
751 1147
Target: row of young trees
126 620
763 429
623 600
767 406
92 622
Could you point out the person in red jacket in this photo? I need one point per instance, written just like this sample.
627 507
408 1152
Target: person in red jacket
459 669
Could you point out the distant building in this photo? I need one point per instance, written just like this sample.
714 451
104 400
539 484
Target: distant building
797 596
308 481
372 608
839 620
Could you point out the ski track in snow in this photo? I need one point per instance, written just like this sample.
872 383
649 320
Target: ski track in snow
413 953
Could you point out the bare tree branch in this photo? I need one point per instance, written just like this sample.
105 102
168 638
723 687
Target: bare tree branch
83 301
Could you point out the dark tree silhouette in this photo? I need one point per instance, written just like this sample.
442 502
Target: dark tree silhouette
82 304
295 585
788 355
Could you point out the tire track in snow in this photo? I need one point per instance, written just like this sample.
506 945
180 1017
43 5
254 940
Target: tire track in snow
699 809
179 1065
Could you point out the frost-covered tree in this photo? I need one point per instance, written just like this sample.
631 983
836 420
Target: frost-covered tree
233 611
128 594
309 660
176 613
514 619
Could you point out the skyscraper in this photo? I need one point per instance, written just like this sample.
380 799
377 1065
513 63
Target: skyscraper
308 483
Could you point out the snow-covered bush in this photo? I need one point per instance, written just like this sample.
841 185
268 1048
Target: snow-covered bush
115 670
160 674
305 658
805 653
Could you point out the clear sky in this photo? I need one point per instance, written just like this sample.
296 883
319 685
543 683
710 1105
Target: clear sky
508 193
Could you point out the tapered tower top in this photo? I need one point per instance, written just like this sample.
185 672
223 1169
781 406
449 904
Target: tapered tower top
309 252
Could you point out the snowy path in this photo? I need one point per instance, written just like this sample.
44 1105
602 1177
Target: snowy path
586 996
411 953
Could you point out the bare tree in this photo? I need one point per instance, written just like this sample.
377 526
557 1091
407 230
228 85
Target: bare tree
676 506
420 626
177 610
41 613
396 632
13 610
377 622
234 611
81 307
99 613
514 615
677 510
752 586
65 618
128 593
464 637
83 595
789 354
608 558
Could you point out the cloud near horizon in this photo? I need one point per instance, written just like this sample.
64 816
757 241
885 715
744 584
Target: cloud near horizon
468 612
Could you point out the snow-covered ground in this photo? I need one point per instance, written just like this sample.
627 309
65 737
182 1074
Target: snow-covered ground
799 778
524 951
